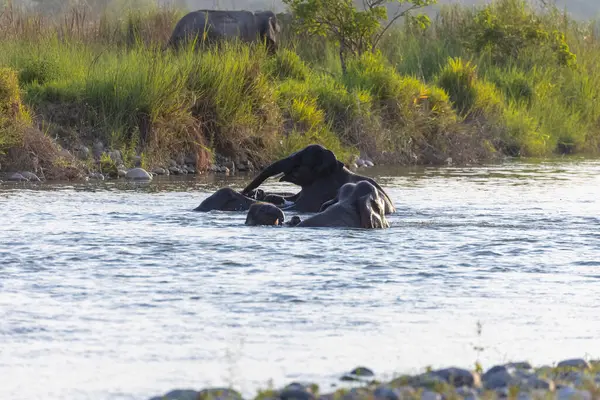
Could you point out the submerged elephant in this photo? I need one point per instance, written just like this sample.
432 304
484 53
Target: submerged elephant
315 169
358 205
215 25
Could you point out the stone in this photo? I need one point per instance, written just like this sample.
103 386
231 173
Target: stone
17 177
574 363
214 168
82 152
178 394
467 393
385 393
191 159
172 163
519 365
458 377
121 173
538 383
175 171
189 169
360 162
295 393
137 161
218 394
160 171
138 174
96 176
429 395
97 150
358 374
369 163
30 176
115 156
569 393
498 377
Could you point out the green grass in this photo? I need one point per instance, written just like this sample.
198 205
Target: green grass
499 79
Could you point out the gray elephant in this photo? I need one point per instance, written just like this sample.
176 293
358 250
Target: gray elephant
315 169
215 25
357 205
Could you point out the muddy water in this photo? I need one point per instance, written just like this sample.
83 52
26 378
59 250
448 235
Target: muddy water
119 291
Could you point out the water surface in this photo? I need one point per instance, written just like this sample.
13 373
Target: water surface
114 290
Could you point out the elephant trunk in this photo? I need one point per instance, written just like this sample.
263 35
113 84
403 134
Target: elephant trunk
278 167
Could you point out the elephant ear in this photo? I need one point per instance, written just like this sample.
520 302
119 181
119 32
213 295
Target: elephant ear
372 212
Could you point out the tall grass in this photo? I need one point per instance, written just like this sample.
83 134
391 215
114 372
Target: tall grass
498 79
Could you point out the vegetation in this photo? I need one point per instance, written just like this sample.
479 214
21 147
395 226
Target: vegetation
470 85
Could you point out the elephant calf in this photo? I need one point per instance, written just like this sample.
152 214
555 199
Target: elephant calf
358 205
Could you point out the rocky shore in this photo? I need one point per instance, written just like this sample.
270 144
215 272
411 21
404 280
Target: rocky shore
568 380
96 163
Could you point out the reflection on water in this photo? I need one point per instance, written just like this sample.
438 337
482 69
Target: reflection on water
113 290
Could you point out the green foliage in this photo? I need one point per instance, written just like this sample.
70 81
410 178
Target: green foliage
287 64
353 30
13 116
504 28
39 70
458 79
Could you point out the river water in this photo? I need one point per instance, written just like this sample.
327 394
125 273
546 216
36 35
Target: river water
113 290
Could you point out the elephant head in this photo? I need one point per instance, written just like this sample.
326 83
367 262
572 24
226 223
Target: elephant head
358 205
264 214
269 28
226 199
301 168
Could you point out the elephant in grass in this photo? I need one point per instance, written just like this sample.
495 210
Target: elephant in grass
357 205
215 25
315 169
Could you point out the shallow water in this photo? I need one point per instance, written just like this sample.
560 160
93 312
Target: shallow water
119 291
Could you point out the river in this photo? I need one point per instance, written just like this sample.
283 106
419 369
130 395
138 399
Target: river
114 290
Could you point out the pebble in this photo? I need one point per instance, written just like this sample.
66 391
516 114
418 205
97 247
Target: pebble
360 162
369 163
575 363
138 174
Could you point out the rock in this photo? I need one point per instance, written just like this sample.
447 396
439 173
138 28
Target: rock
360 162
97 150
569 393
359 374
115 156
354 166
503 393
296 393
458 377
160 171
175 171
225 170
498 377
137 161
406 392
121 173
538 383
219 394
358 394
138 174
575 363
30 176
385 393
519 365
178 394
189 169
180 159
172 163
82 152
191 159
96 176
17 177
369 163
429 395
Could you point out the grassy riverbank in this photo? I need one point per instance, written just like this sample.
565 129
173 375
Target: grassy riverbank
477 84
